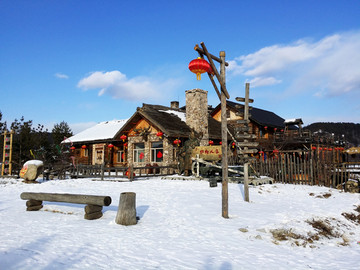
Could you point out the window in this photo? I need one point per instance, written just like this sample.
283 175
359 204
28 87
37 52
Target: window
120 156
156 152
139 152
99 156
86 152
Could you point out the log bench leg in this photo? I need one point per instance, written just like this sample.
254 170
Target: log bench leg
33 205
93 211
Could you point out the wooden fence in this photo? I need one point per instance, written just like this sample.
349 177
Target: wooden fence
295 169
99 171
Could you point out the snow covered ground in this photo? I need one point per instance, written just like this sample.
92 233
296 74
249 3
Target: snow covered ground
180 227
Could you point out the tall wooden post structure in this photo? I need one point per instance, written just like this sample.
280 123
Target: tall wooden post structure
7 153
223 95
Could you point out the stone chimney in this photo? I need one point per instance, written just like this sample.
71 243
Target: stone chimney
197 113
174 104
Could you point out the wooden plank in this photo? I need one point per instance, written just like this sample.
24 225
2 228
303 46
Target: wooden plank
242 129
247 144
220 79
245 136
241 99
199 50
243 121
241 114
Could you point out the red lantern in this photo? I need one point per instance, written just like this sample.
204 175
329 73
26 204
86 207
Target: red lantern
233 145
325 148
329 149
211 142
220 143
110 145
123 137
126 144
275 129
261 153
72 148
177 141
313 148
199 66
83 147
276 151
265 127
159 134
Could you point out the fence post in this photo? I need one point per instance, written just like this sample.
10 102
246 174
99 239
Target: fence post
102 170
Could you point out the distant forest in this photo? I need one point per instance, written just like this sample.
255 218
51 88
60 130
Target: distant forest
350 131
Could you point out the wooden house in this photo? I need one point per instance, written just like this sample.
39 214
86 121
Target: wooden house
154 134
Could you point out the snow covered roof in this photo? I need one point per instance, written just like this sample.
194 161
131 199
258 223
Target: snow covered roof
181 115
102 131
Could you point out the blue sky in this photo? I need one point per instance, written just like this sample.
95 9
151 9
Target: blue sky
84 62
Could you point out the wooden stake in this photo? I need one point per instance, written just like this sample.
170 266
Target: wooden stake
225 200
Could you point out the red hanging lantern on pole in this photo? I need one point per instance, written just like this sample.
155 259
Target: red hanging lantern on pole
160 134
233 145
72 148
199 66
110 145
211 142
123 137
83 147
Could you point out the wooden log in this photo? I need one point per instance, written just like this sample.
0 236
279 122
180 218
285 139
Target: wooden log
90 208
70 198
126 214
33 203
94 215
34 208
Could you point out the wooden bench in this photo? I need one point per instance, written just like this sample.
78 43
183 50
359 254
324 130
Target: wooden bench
93 208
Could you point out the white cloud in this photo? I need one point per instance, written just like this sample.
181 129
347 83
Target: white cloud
117 85
330 66
61 76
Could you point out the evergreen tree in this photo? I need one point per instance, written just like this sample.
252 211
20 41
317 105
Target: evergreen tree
60 132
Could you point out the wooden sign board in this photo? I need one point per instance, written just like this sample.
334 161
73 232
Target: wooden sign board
241 99
208 152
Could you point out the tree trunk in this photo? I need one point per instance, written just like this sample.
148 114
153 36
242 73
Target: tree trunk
126 214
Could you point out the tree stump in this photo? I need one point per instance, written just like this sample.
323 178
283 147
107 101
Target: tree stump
126 214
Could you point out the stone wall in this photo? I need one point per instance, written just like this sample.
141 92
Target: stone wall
197 113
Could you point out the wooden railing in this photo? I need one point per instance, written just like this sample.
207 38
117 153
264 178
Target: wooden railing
295 170
100 171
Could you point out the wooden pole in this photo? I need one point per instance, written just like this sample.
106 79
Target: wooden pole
221 76
224 142
246 164
126 214
70 198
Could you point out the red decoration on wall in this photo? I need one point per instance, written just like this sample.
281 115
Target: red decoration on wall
159 154
141 156
160 134
123 137
199 66
177 141
123 156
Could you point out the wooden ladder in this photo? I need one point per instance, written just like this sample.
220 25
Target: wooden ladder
7 153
